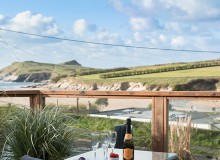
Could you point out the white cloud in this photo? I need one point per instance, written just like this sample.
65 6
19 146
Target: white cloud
163 38
172 27
178 11
178 41
145 4
107 36
118 5
194 9
2 19
138 36
138 24
33 23
81 26
193 28
149 8
203 10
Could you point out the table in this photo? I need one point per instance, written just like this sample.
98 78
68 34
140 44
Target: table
138 154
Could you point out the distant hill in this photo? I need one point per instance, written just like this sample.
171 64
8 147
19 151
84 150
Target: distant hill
22 71
73 62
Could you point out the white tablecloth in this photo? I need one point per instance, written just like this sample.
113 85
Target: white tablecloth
138 155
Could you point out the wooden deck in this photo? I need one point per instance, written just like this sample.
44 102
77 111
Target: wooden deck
160 101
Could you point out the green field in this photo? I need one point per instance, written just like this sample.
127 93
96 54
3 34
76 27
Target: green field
198 72
165 78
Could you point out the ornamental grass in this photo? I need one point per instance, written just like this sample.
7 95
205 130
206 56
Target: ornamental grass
179 140
40 134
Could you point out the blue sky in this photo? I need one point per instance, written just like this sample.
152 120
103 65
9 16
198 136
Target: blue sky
174 24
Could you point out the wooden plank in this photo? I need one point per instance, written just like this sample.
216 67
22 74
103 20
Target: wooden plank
94 96
165 123
125 94
136 93
15 95
37 101
19 92
159 124
193 98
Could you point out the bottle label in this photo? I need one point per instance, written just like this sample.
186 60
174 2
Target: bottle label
128 153
128 136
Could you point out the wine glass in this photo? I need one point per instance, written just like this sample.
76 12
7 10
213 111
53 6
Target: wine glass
105 143
95 142
112 139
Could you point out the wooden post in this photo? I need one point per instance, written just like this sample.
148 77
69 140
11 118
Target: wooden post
160 124
77 105
37 101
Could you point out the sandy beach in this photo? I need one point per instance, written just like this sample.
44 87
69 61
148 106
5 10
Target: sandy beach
114 104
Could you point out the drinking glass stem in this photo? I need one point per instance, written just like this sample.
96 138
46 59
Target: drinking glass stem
94 155
104 154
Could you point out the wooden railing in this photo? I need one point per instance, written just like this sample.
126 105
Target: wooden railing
160 101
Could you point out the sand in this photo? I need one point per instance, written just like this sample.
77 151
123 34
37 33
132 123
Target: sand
114 104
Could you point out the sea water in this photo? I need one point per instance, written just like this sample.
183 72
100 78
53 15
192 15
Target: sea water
14 85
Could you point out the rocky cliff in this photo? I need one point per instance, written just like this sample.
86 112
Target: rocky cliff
8 77
34 77
193 85
124 86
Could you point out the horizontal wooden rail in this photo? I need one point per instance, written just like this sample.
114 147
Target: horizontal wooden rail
122 94
160 101
19 93
134 94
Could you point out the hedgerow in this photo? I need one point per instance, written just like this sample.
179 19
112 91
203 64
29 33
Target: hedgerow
158 70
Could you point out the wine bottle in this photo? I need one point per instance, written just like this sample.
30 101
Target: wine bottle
128 146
